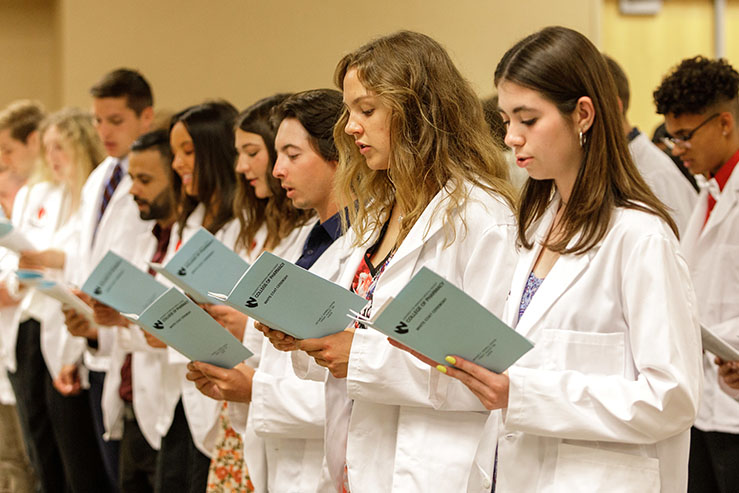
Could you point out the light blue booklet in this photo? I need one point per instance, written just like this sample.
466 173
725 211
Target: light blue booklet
436 318
290 299
201 265
12 239
183 325
120 284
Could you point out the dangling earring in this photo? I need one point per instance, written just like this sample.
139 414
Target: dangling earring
583 139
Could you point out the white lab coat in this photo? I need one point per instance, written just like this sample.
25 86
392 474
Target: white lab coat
146 370
287 412
40 212
395 441
605 399
711 253
202 412
119 229
665 180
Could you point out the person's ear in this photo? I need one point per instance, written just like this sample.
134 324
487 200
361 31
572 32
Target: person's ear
727 122
147 118
584 114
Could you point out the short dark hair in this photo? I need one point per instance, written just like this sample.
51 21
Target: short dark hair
622 82
127 83
157 140
696 85
317 110
22 117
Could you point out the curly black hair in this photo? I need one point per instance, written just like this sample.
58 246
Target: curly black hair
696 84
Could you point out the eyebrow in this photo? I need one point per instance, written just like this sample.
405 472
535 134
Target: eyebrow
360 98
288 146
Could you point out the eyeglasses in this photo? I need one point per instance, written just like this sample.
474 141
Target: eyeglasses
682 141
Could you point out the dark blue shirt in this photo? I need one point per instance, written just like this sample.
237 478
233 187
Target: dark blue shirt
319 239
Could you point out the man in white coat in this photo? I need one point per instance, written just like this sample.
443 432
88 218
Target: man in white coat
286 412
122 110
699 100
131 393
657 169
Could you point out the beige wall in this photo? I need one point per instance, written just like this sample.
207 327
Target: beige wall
648 46
29 55
241 50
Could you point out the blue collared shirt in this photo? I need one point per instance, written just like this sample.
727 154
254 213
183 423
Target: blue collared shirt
319 239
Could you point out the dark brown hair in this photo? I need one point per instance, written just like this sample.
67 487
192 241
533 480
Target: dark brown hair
211 128
563 66
126 83
276 212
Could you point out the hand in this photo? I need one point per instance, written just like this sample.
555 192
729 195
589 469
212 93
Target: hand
331 352
105 315
38 260
729 371
280 340
230 318
490 387
6 299
68 381
222 384
153 340
78 325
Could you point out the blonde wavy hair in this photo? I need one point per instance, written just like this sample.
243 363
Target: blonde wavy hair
83 147
438 135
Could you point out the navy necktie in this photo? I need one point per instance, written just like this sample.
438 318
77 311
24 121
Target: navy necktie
108 192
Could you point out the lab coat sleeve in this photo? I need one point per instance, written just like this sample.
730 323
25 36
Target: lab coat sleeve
287 407
379 372
664 338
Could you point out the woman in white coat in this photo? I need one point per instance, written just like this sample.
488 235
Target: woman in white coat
605 400
430 189
47 212
201 138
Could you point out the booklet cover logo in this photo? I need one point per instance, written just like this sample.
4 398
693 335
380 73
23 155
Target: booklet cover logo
158 325
98 290
182 271
401 328
251 302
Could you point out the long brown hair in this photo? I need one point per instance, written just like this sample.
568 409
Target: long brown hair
563 66
438 136
276 212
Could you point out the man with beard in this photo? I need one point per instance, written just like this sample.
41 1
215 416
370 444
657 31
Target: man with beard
130 404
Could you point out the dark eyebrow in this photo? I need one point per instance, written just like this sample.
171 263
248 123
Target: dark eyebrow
288 146
519 109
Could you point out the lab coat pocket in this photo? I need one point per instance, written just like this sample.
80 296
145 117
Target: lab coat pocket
585 352
587 469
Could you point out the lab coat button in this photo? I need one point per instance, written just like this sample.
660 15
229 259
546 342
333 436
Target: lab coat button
487 484
509 436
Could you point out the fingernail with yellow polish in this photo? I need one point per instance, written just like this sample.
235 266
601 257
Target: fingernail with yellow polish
451 360
441 368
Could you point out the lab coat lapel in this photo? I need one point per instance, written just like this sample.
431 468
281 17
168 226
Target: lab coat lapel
565 271
726 202
402 266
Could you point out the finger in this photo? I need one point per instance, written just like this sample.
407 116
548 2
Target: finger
211 371
309 345
479 388
473 369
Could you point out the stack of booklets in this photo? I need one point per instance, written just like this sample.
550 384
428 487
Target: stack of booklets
166 313
437 319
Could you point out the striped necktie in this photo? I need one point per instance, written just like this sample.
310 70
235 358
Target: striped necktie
108 192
